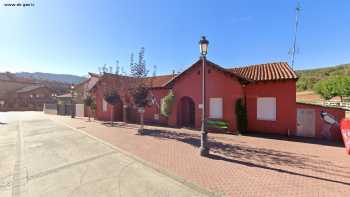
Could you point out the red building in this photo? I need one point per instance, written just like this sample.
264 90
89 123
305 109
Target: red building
269 92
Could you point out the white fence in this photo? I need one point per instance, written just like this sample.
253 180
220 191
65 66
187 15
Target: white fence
79 110
345 105
50 109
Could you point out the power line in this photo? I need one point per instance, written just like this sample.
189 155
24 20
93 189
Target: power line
294 49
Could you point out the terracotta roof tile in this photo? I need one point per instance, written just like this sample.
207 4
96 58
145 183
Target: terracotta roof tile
265 72
259 72
153 82
159 81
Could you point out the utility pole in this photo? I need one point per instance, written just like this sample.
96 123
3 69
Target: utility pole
294 49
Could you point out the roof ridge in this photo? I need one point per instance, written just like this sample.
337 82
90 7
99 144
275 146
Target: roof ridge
265 72
250 65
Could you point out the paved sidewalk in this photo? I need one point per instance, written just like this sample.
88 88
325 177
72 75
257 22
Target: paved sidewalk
40 157
238 165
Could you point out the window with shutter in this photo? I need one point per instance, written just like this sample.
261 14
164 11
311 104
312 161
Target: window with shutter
215 108
266 108
104 105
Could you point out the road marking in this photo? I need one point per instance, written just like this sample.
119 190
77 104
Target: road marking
20 172
57 169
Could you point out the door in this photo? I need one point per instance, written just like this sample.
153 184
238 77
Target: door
306 122
187 112
118 112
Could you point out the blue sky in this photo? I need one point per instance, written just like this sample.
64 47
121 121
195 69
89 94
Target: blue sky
64 36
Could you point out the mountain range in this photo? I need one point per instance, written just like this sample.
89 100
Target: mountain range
64 78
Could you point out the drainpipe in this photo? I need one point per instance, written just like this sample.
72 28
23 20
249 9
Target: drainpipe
245 103
125 113
244 96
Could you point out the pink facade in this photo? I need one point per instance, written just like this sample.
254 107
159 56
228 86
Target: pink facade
152 112
219 85
103 109
284 92
276 82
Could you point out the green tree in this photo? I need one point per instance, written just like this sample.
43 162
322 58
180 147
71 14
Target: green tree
335 86
140 96
111 97
342 86
89 101
139 90
326 88
139 69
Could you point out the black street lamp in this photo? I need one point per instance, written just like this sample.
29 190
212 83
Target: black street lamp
204 150
72 101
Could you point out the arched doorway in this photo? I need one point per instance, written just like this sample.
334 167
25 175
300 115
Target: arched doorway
186 114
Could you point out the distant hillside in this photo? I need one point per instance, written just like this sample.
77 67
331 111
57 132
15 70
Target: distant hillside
308 78
11 82
64 78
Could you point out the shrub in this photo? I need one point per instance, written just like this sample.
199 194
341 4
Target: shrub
166 104
241 116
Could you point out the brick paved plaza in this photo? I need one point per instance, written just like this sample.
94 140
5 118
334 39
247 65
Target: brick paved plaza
238 165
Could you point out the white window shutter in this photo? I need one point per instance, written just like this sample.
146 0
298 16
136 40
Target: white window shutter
266 108
215 108
104 105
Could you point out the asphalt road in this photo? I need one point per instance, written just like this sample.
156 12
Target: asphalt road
40 157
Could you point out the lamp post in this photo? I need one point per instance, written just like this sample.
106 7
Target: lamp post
204 150
72 101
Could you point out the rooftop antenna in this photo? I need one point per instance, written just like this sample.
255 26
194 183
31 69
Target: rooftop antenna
294 49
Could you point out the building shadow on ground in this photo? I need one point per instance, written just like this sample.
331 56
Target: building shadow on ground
121 125
263 158
297 139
